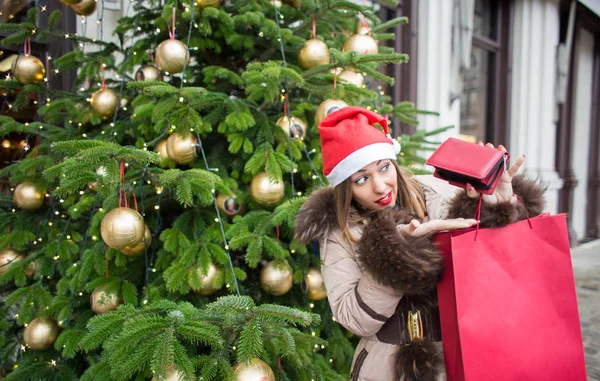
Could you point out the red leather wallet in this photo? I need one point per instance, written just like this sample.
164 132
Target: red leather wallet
460 162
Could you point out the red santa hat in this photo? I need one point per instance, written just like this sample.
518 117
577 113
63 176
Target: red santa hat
350 141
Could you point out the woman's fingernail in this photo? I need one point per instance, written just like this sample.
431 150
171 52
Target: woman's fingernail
469 187
524 156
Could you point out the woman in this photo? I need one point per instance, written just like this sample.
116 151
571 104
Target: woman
374 226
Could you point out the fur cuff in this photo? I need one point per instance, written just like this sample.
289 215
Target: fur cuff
413 265
317 216
416 361
529 193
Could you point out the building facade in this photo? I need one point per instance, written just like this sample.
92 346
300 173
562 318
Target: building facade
522 73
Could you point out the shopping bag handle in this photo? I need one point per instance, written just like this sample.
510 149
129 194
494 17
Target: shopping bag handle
477 215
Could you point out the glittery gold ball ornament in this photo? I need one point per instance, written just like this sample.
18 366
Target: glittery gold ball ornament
28 197
254 370
276 277
104 103
362 44
122 228
295 127
28 69
315 288
140 247
327 107
148 73
230 205
265 192
103 301
208 3
8 256
40 333
171 375
211 281
84 7
161 148
182 149
313 53
172 56
352 77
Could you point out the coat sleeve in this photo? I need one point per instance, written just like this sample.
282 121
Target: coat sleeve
531 203
358 301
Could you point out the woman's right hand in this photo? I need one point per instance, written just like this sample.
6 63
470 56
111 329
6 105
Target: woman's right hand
424 229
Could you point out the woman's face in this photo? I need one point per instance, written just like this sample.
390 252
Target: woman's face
375 186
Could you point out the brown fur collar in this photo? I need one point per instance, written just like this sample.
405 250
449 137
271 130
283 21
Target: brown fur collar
411 264
317 216
528 191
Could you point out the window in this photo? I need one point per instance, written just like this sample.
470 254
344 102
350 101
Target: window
486 83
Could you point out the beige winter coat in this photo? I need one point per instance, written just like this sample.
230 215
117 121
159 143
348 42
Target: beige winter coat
358 299
360 303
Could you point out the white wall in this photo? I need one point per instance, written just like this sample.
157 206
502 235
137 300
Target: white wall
434 74
533 105
582 107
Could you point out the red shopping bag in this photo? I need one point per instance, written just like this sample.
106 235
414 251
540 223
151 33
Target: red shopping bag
508 306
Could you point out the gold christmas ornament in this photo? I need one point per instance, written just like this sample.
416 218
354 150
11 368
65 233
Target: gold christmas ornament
28 69
122 228
254 370
8 256
352 77
102 301
294 127
40 333
327 107
161 148
171 375
276 277
264 192
230 205
315 288
148 73
211 282
172 56
104 103
140 247
361 44
84 7
363 29
182 149
28 197
313 53
208 3
69 2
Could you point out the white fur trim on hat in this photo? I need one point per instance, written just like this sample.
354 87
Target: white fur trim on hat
358 159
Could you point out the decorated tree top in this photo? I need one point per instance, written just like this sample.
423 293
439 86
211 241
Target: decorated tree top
148 228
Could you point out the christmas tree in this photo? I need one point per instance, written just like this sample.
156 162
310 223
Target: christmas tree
148 228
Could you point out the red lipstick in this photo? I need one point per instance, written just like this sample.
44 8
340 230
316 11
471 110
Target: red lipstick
385 200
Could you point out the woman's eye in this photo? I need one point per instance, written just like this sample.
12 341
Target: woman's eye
385 168
360 180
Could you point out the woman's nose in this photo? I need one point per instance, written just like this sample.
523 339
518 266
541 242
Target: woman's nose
378 184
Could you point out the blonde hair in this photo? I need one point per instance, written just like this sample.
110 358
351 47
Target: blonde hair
410 195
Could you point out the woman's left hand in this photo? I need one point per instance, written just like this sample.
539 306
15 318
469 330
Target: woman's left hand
504 190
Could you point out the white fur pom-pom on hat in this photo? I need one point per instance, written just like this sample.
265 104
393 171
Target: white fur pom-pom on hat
350 141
